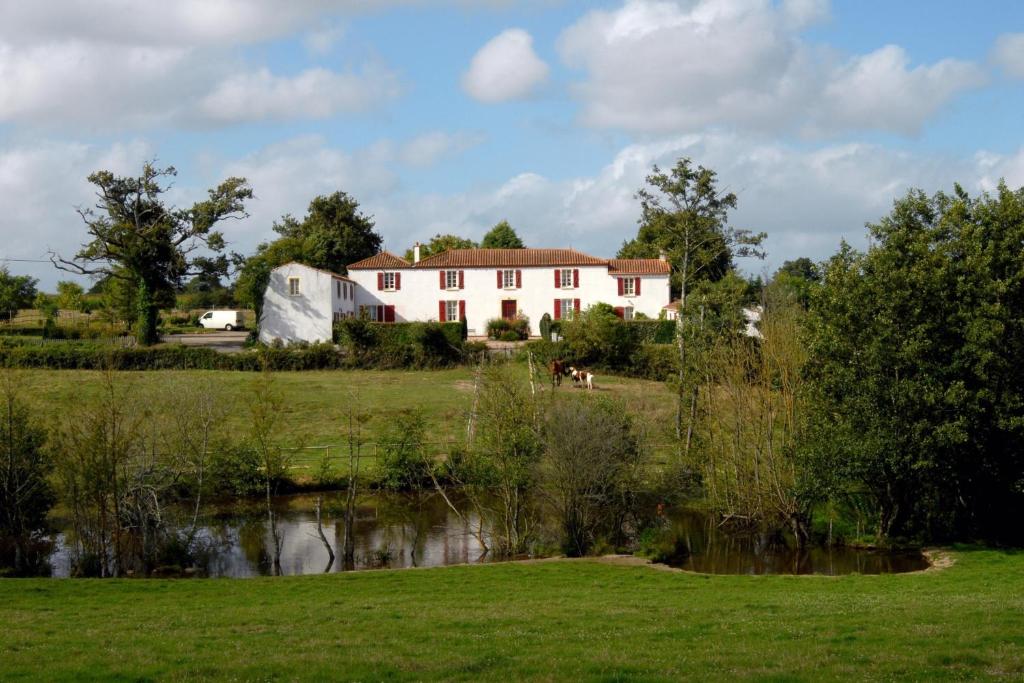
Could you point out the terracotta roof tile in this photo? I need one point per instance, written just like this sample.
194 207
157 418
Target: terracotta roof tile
385 260
639 266
484 258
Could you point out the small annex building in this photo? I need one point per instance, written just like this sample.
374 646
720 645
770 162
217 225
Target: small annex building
301 303
475 284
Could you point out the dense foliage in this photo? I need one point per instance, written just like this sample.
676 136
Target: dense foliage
502 236
916 348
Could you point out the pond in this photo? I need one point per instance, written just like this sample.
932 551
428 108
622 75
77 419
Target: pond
420 530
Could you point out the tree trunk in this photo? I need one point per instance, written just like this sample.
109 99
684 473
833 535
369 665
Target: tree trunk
146 325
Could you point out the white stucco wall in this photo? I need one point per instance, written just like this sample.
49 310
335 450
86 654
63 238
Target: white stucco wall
308 316
420 293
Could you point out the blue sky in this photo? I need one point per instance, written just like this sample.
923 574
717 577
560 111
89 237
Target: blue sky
447 116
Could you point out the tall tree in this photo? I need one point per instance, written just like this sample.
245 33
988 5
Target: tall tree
502 236
441 243
135 237
915 368
688 217
333 234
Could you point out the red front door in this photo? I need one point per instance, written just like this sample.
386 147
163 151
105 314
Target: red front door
508 309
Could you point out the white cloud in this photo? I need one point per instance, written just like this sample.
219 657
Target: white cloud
505 68
879 91
660 66
322 40
429 148
314 93
40 186
1008 53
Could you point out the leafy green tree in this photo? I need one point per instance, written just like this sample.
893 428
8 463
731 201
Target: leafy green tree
687 216
502 236
69 295
16 291
802 267
25 492
135 237
441 243
915 368
333 234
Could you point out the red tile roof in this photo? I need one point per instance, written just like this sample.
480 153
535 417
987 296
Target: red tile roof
483 258
385 260
639 266
514 258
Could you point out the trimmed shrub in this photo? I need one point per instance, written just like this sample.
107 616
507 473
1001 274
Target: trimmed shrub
545 327
503 329
399 345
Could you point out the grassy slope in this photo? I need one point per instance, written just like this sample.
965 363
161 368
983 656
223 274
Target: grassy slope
546 620
315 403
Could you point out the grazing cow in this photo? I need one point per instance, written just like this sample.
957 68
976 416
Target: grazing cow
557 369
582 377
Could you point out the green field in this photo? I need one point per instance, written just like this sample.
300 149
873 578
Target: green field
547 620
315 404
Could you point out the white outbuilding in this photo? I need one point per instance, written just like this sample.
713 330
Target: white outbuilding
301 304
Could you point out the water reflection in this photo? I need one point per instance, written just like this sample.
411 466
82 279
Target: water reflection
420 530
708 548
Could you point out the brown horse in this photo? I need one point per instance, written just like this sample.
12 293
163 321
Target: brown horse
557 368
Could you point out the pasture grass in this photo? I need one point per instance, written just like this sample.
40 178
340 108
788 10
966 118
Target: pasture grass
564 620
315 404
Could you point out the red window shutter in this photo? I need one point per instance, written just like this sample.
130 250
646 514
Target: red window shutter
462 310
636 286
441 273
440 311
575 277
558 278
576 305
500 281
462 279
398 280
519 279
389 314
558 309
620 311
380 314
380 281
620 286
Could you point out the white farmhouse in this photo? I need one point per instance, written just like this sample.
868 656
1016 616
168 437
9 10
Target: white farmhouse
301 304
476 284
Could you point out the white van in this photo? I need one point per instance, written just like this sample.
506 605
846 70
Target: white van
221 320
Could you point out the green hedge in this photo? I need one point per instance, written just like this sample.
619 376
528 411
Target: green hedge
652 331
400 345
83 356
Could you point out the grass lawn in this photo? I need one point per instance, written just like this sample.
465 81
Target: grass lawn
315 404
547 620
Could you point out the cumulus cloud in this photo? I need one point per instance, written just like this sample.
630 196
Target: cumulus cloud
314 93
429 148
662 66
879 91
1008 53
505 68
40 186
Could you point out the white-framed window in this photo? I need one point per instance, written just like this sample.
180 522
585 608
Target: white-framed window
627 312
568 309
565 277
508 278
389 282
451 311
293 286
628 287
369 312
451 279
